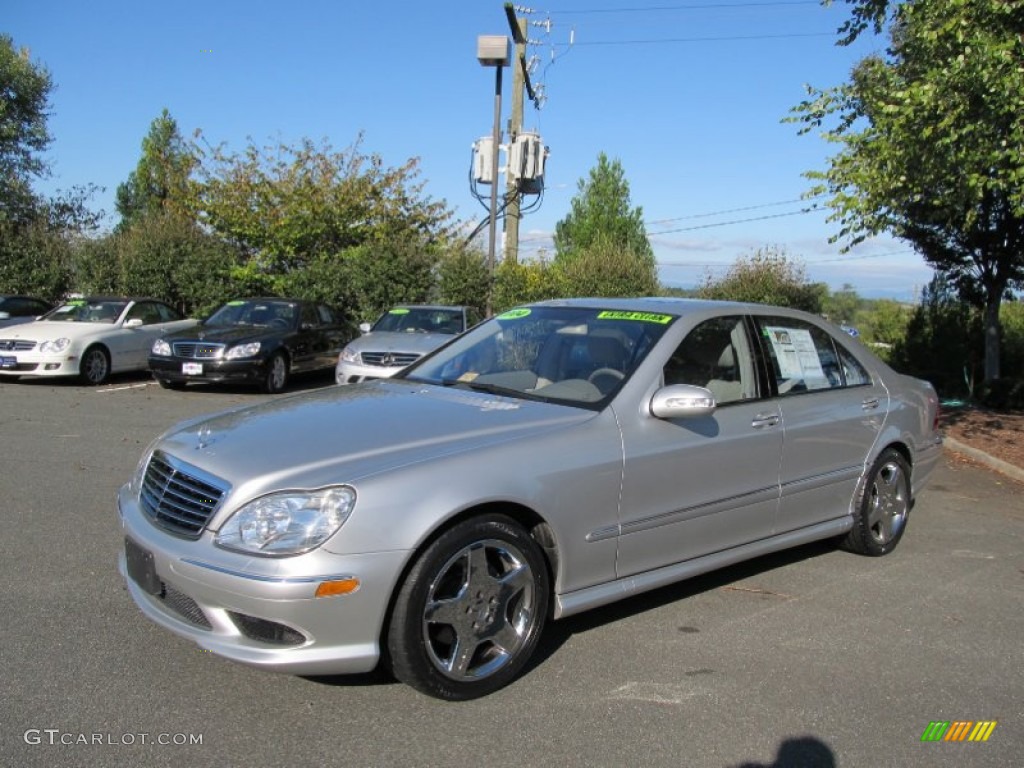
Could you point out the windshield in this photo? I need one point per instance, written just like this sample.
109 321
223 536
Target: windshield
265 312
421 320
577 356
88 311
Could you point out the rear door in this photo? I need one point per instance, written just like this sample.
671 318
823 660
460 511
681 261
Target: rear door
832 411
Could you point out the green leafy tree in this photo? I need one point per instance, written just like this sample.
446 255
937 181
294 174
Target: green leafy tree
462 278
160 181
601 215
24 101
289 205
605 268
524 282
930 139
767 276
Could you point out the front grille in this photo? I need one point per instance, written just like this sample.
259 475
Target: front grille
178 497
16 345
185 606
389 359
197 350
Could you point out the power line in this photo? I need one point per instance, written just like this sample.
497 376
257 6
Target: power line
731 38
690 7
732 210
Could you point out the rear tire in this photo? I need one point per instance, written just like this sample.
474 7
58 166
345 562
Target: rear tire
883 507
94 368
469 614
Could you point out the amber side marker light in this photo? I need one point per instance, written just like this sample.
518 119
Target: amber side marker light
337 587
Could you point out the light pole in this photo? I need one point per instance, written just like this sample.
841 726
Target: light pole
493 51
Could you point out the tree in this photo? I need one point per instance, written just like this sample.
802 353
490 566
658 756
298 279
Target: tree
462 277
931 139
24 99
604 268
289 205
767 276
160 181
601 213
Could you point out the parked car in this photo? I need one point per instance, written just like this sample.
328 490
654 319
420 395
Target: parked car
91 338
262 341
400 337
555 458
15 310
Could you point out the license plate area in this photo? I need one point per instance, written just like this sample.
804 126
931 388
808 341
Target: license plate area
8 362
141 568
192 369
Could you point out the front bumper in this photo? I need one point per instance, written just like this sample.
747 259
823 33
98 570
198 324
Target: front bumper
246 371
353 373
35 364
262 611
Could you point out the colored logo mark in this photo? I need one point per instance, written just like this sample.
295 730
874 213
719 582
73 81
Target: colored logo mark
959 730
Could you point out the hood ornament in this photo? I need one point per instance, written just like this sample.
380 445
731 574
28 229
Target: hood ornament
204 437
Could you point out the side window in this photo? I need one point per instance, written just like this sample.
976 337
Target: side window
803 357
325 314
309 316
853 371
145 311
167 315
715 355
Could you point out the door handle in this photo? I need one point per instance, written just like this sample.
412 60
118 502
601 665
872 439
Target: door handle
869 404
765 420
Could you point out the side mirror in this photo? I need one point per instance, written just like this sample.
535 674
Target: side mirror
364 328
682 401
135 322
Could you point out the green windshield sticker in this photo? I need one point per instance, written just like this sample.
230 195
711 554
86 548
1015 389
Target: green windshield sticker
514 314
644 317
77 303
235 303
399 311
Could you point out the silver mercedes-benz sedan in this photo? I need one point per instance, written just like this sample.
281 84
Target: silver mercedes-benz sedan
557 457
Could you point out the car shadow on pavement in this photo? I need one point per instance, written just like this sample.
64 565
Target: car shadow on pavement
799 752
557 633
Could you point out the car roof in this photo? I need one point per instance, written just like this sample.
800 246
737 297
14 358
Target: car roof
663 304
424 306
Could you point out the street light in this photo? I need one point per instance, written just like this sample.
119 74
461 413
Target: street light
493 51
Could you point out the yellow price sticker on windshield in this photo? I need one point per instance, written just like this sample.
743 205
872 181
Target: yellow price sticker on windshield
644 317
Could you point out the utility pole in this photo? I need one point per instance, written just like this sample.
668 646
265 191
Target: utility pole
515 126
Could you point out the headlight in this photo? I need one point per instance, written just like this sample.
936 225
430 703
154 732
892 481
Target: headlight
287 523
243 350
161 348
55 346
350 355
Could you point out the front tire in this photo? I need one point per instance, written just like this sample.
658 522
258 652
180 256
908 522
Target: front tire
470 612
883 508
95 366
276 378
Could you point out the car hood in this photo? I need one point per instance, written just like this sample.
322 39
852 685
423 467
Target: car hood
390 341
224 334
344 434
47 330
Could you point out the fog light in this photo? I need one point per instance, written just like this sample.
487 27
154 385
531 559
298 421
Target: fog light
337 587
51 366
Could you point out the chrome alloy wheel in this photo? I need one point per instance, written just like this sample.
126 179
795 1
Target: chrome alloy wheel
479 610
888 503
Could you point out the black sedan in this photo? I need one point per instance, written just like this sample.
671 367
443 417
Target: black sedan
261 341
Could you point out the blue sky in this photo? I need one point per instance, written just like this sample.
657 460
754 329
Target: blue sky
688 96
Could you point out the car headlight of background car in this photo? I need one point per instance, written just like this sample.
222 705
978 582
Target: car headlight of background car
161 348
349 355
54 346
287 523
243 350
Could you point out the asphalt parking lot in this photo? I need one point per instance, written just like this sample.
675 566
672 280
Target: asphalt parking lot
814 657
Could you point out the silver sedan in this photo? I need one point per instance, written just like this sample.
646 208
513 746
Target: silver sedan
555 458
